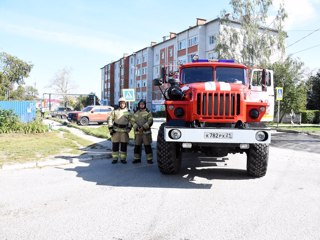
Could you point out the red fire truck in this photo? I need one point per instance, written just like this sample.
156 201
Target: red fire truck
216 109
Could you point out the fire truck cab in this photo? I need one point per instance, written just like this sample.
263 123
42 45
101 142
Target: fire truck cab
216 109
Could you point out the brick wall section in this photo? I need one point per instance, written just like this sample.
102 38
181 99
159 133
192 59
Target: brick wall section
126 72
111 83
193 49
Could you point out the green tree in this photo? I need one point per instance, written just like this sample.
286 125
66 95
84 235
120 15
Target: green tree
12 71
290 76
24 93
81 102
314 92
257 40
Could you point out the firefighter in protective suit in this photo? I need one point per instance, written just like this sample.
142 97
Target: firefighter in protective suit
142 121
119 128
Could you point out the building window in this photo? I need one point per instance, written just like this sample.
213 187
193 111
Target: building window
182 60
162 55
190 57
157 57
182 44
193 41
144 57
211 39
170 52
212 55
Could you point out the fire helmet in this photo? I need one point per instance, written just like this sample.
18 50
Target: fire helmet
142 101
122 99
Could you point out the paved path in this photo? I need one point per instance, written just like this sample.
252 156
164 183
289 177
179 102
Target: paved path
100 149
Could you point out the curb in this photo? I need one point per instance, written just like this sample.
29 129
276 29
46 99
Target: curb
296 131
53 162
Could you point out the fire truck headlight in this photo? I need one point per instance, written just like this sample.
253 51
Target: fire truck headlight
254 113
174 134
261 136
262 109
179 112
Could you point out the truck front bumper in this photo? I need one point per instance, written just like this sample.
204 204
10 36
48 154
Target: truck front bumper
217 135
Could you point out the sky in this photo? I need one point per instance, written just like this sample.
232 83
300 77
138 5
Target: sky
85 35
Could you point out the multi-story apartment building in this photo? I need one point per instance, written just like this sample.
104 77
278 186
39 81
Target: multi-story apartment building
136 71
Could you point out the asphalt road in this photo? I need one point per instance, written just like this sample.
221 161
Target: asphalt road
207 200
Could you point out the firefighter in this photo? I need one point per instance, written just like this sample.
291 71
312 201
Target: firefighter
142 121
119 127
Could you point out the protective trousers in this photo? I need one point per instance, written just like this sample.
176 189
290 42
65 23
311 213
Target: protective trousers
119 142
146 139
116 153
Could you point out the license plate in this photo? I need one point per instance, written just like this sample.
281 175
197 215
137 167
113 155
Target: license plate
215 135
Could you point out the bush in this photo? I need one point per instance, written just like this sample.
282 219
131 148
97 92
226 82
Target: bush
10 123
34 127
310 116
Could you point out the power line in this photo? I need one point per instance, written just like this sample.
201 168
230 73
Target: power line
303 37
306 49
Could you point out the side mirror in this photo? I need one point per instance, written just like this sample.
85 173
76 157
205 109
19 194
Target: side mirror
157 82
173 81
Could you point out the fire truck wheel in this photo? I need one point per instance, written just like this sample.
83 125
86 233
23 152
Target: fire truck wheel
84 121
257 160
168 154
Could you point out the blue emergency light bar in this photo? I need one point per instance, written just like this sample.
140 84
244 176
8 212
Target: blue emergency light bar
226 60
201 60
213 60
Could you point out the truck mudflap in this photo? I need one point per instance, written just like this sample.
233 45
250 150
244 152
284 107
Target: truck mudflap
217 135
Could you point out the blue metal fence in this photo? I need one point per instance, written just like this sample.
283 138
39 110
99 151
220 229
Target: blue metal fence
26 110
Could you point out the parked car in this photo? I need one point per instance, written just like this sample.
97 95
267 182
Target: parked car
61 112
90 114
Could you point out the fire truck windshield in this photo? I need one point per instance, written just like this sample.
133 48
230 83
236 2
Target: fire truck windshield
197 74
205 74
230 75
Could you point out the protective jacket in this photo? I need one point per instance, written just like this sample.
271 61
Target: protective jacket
119 120
142 122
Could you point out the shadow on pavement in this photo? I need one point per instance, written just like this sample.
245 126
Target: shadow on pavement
90 152
194 174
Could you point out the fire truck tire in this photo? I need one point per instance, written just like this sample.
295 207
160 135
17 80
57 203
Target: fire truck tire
257 160
168 154
84 121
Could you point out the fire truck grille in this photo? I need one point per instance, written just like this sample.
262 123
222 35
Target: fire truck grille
218 105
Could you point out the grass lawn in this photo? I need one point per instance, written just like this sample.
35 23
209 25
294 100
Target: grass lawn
30 147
